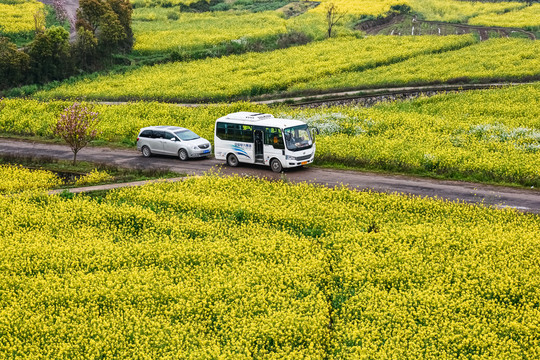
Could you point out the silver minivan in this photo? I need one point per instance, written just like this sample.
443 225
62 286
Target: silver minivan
172 140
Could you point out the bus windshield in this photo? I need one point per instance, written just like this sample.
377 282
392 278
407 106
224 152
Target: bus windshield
297 137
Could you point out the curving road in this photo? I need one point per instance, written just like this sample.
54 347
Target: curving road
526 200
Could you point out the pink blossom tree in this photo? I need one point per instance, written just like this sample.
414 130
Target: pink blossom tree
77 126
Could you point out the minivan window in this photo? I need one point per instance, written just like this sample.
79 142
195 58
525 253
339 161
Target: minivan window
159 134
169 135
187 135
146 134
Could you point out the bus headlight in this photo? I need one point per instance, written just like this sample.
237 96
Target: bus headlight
289 157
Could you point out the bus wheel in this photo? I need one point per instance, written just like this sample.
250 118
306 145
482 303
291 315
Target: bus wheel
232 160
275 165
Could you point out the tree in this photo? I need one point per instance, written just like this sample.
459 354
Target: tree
14 64
109 21
333 16
84 50
111 33
39 21
124 10
50 55
77 126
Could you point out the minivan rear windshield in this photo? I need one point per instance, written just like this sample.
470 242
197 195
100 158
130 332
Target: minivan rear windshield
186 135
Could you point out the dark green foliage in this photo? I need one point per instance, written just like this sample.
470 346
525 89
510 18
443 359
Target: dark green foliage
400 8
84 50
50 55
199 6
226 48
250 5
14 64
21 38
110 23
173 15
66 194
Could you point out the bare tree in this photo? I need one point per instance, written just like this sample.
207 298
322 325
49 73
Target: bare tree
39 21
333 16
77 126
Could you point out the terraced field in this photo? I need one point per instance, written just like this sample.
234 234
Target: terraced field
494 60
155 33
253 73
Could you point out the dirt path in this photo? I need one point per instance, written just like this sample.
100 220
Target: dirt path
71 7
501 197
113 186
411 25
348 95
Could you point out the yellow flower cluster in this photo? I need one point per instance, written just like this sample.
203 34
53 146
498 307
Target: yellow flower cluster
161 34
15 179
505 58
18 17
254 73
360 7
242 268
94 177
528 18
460 11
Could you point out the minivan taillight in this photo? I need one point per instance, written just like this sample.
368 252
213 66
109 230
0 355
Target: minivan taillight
137 139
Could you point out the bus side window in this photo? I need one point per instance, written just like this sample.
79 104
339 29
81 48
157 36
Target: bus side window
247 133
273 136
220 131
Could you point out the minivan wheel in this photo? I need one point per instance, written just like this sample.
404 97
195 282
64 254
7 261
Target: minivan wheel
232 160
146 151
276 165
183 155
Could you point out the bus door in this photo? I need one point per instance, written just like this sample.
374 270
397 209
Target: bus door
273 145
259 148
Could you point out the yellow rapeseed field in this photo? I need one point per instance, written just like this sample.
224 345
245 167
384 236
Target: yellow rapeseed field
491 60
254 73
94 177
359 7
243 268
18 17
15 179
460 11
154 32
528 18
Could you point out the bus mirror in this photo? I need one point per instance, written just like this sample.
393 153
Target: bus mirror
314 131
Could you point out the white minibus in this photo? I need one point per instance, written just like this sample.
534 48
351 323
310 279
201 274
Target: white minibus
256 138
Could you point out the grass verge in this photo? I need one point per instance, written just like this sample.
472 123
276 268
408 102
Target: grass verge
69 172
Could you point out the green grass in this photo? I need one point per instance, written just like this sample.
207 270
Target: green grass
26 37
66 169
390 169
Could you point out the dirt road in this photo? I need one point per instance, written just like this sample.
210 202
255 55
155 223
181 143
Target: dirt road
527 200
70 6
